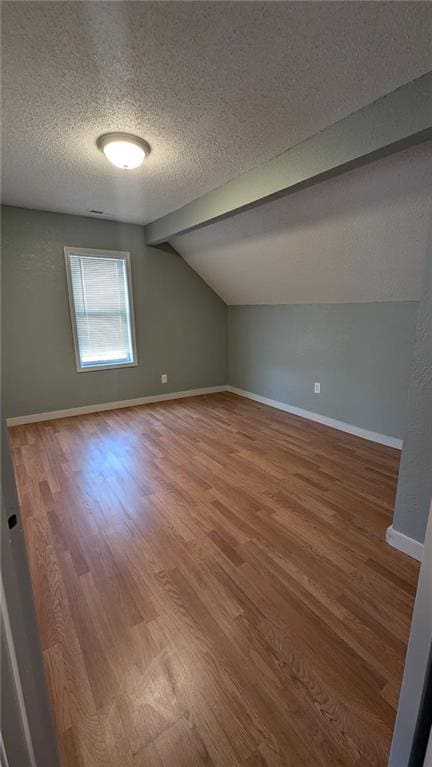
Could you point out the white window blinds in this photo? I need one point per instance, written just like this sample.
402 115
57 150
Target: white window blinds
100 297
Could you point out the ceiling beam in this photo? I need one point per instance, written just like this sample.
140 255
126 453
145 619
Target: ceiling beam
400 119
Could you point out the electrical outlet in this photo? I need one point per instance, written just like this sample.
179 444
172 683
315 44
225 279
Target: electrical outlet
164 378
317 387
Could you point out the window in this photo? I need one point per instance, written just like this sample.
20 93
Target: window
100 299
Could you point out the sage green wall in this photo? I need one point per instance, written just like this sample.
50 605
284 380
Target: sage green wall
361 354
414 491
180 322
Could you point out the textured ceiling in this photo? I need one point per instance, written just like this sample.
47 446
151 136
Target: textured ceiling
215 87
358 237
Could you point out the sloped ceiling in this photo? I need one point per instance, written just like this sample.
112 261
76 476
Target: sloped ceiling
215 87
358 237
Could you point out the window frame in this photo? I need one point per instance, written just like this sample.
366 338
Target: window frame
114 254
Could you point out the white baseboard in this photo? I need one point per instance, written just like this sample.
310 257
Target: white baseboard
52 414
100 407
402 542
373 436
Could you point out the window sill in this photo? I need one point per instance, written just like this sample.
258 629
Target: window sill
93 368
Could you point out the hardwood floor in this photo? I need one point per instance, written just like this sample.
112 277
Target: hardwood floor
212 586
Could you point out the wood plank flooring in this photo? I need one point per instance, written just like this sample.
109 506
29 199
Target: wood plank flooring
213 587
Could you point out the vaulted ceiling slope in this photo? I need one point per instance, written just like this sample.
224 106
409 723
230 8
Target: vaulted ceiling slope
359 237
215 87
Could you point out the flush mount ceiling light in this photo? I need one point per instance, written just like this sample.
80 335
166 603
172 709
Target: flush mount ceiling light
123 150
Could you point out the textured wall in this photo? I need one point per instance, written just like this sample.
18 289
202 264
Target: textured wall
360 353
180 322
415 475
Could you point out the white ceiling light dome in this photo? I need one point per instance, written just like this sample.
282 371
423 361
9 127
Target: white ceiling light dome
123 150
